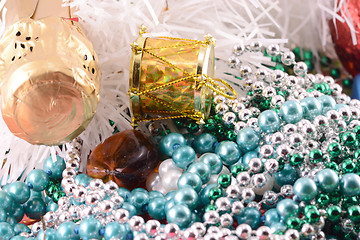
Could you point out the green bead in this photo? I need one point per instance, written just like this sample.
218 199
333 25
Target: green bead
294 223
315 155
215 193
236 169
334 149
354 213
348 166
192 127
335 197
58 195
348 139
349 201
319 87
280 67
224 180
333 166
347 82
308 55
335 73
322 200
325 61
296 159
297 51
333 213
231 135
309 208
210 207
357 154
312 216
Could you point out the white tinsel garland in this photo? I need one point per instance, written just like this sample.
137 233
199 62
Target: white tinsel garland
112 25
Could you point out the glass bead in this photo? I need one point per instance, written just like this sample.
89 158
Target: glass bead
250 216
248 139
139 199
334 149
38 179
170 142
215 193
311 107
287 208
350 184
305 188
294 223
312 216
200 169
20 228
183 156
327 180
56 167
268 121
315 156
213 161
191 180
6 230
115 230
327 103
6 200
354 213
66 231
90 228
300 68
19 191
334 213
156 208
127 158
180 215
224 180
271 217
187 196
228 151
287 175
35 208
291 111
205 143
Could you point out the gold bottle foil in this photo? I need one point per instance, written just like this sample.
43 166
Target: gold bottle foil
165 78
49 80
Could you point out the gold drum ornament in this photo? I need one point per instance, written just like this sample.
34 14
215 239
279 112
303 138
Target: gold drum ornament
172 78
49 80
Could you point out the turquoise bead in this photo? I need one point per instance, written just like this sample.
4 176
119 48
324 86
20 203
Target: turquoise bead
34 193
291 111
155 194
170 195
56 167
350 185
213 161
11 220
287 176
271 216
171 142
180 215
327 103
311 107
340 106
200 169
194 218
156 208
139 200
17 211
51 207
19 191
305 188
115 230
278 227
20 228
19 238
247 139
90 229
6 200
83 179
38 179
327 180
287 208
123 192
269 121
66 231
35 208
229 152
205 143
250 216
6 231
191 180
3 215
169 204
187 196
248 156
131 209
50 235
204 194
183 156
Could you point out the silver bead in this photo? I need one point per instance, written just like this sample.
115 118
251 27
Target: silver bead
74 211
86 211
72 163
110 187
79 193
244 114
261 73
287 190
258 87
237 207
310 78
229 118
248 195
288 58
233 62
254 204
219 99
243 231
307 230
152 227
239 125
68 172
221 108
308 129
237 107
289 128
321 121
212 236
316 94
230 237
345 113
255 165
64 203
253 123
69 188
223 204
36 228
171 230
296 139
199 227
66 181
333 115
266 151
63 217
271 165
232 191
211 217
117 200
121 215
96 184
244 70
270 197
49 219
141 236
258 180
343 99
255 46
292 234
70 155
269 92
238 49
106 206
354 103
300 68
277 101
226 220
213 229
263 232
136 223
277 138
291 82
273 50
283 150
92 198
329 80
225 232
161 236
243 179
190 234
277 76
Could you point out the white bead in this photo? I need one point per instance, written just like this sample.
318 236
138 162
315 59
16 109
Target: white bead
166 166
170 179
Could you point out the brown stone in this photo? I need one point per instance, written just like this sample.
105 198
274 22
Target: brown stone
127 158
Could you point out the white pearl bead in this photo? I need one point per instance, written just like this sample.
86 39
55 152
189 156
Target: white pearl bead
166 166
170 179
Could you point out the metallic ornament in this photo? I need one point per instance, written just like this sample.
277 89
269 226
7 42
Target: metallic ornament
49 80
172 78
348 53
